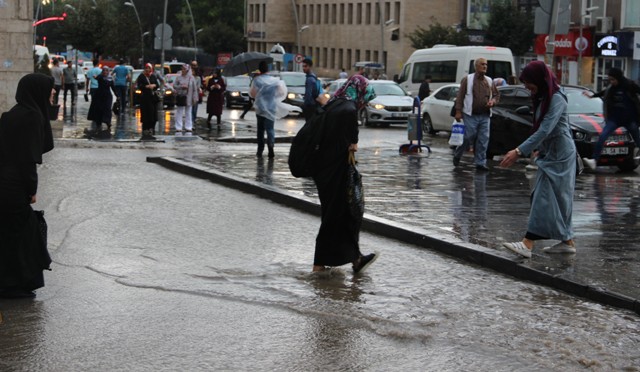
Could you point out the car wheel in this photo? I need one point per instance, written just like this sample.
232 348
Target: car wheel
364 119
632 162
427 125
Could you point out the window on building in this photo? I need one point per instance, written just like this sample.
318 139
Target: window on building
375 56
334 15
631 14
318 14
340 58
357 55
387 11
350 14
349 61
367 14
317 55
397 12
325 57
341 17
359 14
332 58
310 18
377 15
264 13
367 55
326 14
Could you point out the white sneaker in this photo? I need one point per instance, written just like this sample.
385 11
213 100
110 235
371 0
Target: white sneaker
519 248
561 247
591 163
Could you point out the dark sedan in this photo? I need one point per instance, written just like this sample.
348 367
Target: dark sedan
512 117
237 92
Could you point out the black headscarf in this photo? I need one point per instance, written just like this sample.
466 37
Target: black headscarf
25 130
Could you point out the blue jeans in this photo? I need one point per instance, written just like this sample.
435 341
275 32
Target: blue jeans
267 125
121 93
476 133
609 127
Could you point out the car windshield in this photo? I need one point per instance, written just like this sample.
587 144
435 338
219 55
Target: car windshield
388 90
294 80
238 81
579 104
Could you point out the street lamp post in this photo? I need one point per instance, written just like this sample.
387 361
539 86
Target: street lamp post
581 44
193 24
305 27
133 5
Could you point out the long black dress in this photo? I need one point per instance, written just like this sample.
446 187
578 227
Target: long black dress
25 134
100 108
148 109
337 242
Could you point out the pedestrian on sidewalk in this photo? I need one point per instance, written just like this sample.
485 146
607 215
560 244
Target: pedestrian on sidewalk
266 91
621 109
197 74
555 155
121 80
187 96
69 81
148 83
25 134
100 108
56 72
312 90
337 242
216 87
476 97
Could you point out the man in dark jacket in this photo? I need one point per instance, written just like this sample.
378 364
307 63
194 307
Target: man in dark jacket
621 109
311 90
424 90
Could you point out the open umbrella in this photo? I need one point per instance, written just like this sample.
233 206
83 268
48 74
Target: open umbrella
245 63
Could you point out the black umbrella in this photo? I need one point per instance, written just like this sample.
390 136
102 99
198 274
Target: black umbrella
245 63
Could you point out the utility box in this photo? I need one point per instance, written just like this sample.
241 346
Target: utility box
413 127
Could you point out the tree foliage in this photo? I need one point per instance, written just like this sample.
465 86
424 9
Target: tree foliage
437 34
110 28
510 28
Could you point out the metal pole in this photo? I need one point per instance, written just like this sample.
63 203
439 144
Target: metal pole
580 53
193 23
133 5
164 22
381 56
552 35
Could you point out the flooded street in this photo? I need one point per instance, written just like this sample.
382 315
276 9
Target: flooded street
154 270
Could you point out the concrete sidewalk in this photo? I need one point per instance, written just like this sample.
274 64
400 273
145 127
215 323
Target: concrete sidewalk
458 211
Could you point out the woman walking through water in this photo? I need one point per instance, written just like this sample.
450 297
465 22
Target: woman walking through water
337 242
148 83
555 155
25 134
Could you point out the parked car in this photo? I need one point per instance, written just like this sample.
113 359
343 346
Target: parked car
237 92
81 78
436 109
333 87
512 121
295 87
392 105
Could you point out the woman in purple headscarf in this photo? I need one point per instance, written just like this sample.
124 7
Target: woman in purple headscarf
554 153
337 242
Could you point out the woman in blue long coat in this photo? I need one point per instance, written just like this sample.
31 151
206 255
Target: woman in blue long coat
555 155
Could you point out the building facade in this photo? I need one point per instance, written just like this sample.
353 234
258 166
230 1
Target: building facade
16 47
337 34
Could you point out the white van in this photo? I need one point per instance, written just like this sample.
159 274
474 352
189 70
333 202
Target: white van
448 64
41 51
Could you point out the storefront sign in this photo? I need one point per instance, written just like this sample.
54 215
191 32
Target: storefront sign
617 44
223 58
568 45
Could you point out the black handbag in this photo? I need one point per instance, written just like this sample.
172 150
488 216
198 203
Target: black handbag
181 100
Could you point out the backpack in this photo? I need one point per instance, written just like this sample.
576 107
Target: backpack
305 147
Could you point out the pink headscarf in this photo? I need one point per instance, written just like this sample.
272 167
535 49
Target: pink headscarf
356 89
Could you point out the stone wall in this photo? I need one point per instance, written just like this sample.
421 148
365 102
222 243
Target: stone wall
16 47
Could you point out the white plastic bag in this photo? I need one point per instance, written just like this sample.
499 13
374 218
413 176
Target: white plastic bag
457 134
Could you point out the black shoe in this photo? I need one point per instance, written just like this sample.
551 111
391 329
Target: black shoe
364 262
259 154
456 161
482 168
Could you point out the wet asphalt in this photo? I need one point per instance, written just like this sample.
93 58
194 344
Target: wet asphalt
422 199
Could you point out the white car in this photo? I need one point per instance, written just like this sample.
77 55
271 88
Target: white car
81 78
392 105
436 109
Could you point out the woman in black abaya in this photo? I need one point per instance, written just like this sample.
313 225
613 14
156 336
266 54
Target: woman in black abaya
337 242
25 134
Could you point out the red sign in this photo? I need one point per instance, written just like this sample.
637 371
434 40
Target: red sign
567 45
223 58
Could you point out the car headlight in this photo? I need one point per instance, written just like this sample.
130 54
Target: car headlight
377 106
291 96
580 136
168 92
235 94
138 91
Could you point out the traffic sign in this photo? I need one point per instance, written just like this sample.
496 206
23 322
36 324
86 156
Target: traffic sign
299 58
